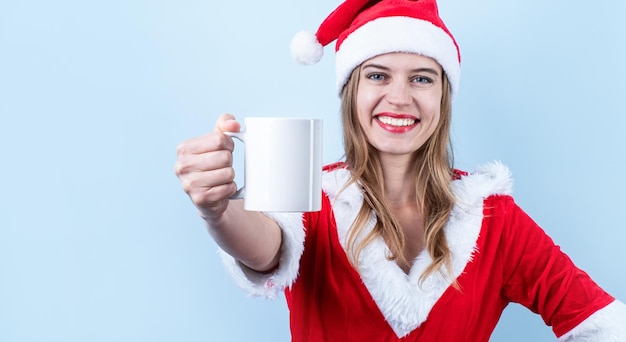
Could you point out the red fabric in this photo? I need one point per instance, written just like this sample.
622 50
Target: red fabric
542 278
516 262
425 10
339 20
350 15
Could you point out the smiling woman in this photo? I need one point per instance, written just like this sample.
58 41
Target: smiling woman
406 246
99 243
398 104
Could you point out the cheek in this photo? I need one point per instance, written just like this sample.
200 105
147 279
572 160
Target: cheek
363 119
364 107
436 120
431 115
432 108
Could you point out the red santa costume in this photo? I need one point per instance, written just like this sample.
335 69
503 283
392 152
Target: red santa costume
499 255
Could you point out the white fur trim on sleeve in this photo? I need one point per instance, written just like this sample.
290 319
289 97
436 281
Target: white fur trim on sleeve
270 284
605 325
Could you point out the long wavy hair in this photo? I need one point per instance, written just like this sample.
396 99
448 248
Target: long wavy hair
434 165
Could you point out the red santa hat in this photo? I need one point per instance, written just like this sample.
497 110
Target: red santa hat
367 28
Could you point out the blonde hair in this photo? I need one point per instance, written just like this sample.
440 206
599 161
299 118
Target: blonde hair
433 195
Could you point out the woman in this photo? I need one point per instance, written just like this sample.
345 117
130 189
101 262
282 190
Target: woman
405 247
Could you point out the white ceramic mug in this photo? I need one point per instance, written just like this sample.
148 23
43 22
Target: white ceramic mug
282 164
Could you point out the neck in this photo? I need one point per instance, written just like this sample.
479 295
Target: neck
399 179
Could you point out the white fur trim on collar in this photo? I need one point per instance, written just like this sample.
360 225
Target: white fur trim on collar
404 304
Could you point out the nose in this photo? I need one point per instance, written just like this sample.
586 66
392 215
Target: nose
398 93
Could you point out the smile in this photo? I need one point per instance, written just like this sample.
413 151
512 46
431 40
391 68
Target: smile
394 123
397 122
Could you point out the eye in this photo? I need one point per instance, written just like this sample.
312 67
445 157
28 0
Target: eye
376 76
422 80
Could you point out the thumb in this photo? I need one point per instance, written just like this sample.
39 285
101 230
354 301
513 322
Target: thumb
227 123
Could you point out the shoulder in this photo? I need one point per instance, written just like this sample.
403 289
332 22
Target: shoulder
344 194
335 178
334 166
488 180
469 188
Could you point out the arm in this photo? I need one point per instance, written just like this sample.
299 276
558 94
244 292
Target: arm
541 277
204 167
249 236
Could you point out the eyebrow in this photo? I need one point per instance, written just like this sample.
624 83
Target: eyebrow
378 66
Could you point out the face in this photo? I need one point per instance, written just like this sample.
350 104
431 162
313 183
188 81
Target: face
399 101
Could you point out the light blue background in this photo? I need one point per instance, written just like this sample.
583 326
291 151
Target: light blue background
99 243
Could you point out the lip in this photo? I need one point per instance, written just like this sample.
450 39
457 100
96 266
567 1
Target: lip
393 128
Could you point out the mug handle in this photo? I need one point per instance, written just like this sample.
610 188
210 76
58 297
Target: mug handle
239 194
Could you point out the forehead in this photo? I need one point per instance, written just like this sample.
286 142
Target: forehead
405 59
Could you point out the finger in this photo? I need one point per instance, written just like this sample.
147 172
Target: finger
188 163
209 197
204 191
207 143
207 179
227 123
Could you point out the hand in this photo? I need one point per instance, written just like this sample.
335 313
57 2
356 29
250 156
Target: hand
204 167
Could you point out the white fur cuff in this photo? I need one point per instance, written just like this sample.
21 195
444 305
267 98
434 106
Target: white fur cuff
605 325
269 285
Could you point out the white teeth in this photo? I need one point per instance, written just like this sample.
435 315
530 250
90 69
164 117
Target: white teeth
396 122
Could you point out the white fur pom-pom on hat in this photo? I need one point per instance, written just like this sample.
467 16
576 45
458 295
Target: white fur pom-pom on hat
306 49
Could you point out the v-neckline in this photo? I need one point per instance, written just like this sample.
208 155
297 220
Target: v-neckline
402 299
